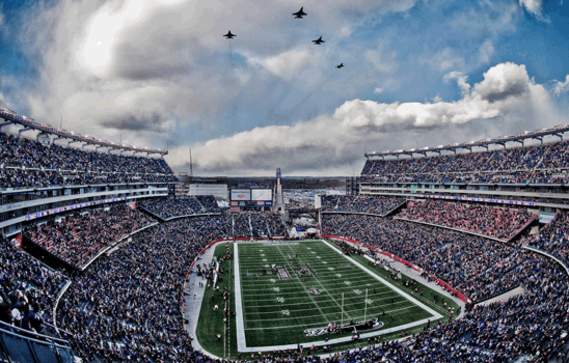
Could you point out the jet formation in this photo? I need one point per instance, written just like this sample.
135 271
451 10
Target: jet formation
319 41
230 35
300 14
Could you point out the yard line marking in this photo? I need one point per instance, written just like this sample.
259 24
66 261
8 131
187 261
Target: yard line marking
305 290
315 324
291 295
435 314
323 274
324 307
262 317
325 290
290 286
358 298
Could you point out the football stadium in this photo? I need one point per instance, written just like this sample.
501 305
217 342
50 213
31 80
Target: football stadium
198 247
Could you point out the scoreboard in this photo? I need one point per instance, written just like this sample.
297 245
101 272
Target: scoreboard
251 198
241 194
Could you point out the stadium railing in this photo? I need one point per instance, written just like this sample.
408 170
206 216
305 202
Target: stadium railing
18 345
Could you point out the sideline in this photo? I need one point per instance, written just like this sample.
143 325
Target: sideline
193 299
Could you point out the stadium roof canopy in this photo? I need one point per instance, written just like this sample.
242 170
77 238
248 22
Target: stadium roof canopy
558 131
27 123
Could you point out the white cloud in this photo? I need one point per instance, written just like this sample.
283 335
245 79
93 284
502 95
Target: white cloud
534 7
560 87
461 80
148 68
287 64
108 66
503 81
506 96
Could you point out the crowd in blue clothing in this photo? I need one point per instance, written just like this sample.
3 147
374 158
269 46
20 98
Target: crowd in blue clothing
30 163
175 207
380 205
538 164
554 238
126 306
28 289
116 313
452 256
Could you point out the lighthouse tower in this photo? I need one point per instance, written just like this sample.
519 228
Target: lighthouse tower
278 202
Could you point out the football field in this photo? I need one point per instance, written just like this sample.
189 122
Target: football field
284 288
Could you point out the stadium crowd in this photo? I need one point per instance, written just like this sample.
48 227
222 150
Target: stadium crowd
168 208
266 225
209 203
538 164
30 163
449 255
78 237
554 238
528 327
126 307
492 221
380 205
28 289
256 224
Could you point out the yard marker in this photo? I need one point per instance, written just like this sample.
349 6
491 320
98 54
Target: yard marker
342 308
365 307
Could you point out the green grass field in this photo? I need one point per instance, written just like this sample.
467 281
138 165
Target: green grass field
277 309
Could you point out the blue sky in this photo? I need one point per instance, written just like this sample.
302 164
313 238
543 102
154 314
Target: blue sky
158 73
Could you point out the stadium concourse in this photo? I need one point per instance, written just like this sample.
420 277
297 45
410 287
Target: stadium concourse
107 276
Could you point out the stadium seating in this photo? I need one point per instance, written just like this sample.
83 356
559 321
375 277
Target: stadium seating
168 208
452 256
256 224
554 238
127 306
492 221
380 205
79 237
28 290
542 164
29 163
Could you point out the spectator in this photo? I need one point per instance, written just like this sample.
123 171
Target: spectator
79 237
492 221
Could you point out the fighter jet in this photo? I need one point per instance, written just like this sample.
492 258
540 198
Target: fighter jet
318 41
230 35
300 14
339 66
